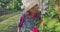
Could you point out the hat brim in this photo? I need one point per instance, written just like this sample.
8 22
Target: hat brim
29 7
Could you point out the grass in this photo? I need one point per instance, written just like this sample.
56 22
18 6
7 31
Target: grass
7 16
10 24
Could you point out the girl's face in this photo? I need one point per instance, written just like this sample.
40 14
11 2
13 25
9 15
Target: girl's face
34 9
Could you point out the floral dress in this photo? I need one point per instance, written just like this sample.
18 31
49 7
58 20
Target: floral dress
27 23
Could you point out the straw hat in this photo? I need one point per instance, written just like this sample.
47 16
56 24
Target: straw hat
28 4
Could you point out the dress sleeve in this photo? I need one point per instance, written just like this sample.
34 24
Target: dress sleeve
21 20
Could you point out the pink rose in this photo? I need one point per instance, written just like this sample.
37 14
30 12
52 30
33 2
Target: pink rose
35 29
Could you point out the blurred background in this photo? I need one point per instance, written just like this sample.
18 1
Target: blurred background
10 12
9 15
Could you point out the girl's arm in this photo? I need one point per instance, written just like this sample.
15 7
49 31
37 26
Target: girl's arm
19 29
41 25
20 23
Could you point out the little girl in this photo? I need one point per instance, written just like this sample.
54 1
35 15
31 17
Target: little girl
30 19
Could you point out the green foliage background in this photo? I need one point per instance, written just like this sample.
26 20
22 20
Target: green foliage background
51 20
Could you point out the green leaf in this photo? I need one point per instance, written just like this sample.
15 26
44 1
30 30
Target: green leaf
58 24
51 23
57 29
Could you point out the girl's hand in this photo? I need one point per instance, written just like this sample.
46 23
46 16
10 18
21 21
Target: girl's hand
41 22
